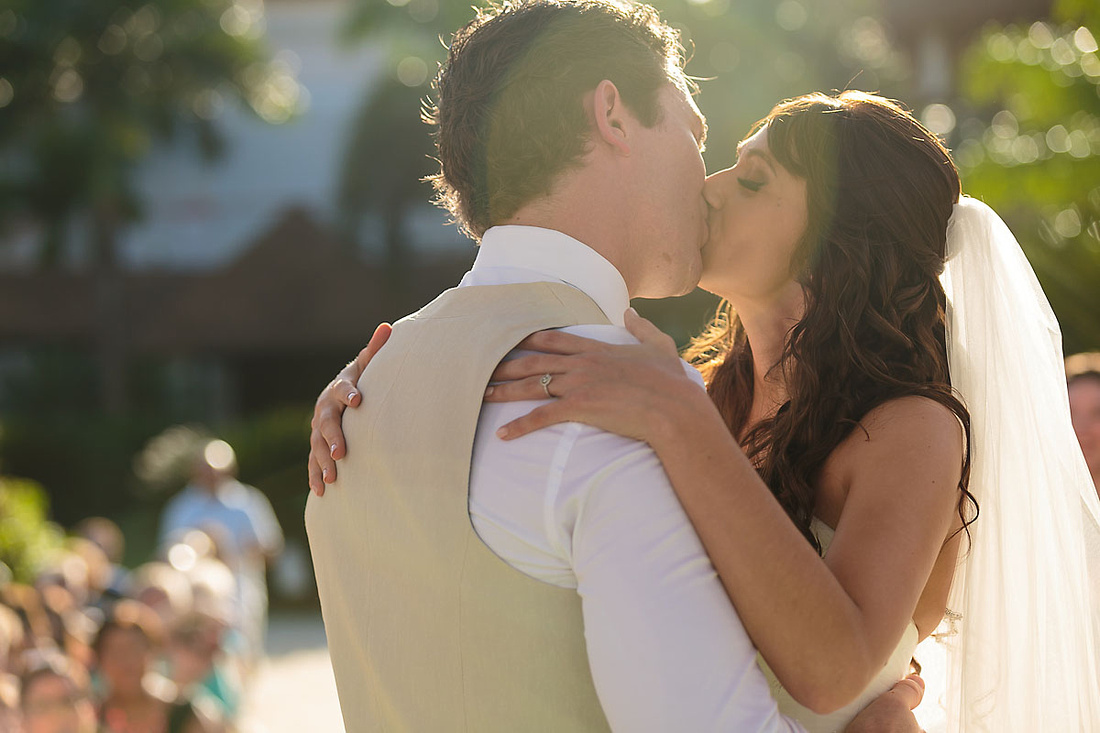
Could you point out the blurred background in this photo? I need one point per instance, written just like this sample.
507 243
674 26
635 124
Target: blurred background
207 205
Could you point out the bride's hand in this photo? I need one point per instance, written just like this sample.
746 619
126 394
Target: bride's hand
630 390
326 439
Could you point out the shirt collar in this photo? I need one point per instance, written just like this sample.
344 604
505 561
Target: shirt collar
554 255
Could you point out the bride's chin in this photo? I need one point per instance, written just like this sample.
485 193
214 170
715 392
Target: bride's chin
714 287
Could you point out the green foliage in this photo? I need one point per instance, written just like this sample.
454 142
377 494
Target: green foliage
84 460
1036 155
272 449
88 87
27 538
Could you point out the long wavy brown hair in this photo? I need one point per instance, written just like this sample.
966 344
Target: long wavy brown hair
880 190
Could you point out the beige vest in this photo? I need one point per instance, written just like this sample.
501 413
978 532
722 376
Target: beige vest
428 630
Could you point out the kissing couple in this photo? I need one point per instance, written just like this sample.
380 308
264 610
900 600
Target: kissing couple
542 519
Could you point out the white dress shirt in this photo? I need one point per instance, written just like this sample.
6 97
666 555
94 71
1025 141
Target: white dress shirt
581 508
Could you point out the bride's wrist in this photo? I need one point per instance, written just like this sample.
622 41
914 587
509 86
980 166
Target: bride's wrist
684 410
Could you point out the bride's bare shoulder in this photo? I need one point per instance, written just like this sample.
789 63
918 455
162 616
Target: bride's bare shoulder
905 432
912 418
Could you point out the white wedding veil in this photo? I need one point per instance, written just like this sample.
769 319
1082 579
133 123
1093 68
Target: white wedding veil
1023 653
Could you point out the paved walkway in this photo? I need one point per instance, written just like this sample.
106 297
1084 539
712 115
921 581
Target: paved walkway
294 691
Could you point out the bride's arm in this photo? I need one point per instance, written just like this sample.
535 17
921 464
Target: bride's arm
826 628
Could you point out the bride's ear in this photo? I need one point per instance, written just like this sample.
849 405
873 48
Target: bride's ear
610 117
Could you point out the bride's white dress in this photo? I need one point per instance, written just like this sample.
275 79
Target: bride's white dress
896 668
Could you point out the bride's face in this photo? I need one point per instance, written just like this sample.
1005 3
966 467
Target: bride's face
757 217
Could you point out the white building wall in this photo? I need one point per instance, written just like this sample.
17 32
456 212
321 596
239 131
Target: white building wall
202 215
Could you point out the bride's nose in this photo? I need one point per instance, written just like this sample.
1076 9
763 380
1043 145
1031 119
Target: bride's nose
712 190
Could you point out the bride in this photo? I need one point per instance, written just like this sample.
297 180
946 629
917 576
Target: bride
884 368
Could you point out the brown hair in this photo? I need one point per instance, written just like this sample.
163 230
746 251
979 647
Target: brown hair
129 615
42 664
508 112
880 190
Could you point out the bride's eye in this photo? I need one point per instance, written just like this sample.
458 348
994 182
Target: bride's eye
750 185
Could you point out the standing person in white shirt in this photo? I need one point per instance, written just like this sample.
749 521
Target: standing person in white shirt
570 146
240 520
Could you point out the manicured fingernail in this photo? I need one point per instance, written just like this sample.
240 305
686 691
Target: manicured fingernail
489 390
324 474
503 432
332 450
352 396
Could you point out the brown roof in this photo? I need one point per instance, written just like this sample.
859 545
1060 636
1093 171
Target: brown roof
298 286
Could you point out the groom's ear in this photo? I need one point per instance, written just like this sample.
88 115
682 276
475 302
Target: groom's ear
611 118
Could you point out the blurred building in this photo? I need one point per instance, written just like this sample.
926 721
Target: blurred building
936 32
236 282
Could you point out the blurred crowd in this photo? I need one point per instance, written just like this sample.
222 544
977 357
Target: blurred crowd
167 647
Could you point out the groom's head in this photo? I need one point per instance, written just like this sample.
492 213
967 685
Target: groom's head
511 110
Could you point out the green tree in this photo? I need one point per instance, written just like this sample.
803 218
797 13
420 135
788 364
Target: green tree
390 149
27 537
1035 154
86 89
385 163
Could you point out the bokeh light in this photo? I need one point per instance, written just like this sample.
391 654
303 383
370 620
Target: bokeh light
791 15
412 71
219 455
939 118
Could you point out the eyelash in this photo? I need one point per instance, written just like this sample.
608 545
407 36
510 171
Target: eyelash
753 186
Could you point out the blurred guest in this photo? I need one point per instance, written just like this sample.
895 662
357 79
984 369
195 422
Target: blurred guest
34 621
164 589
107 580
240 520
109 538
72 627
68 570
54 697
199 665
105 534
10 717
11 638
1083 375
135 699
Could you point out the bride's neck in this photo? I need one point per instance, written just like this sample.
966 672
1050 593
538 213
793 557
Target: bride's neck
767 331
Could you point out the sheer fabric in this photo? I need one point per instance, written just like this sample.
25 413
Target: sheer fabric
1022 657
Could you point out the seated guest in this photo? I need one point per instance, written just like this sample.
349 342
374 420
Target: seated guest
199 666
136 700
54 696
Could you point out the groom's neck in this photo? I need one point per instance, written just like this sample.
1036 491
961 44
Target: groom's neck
590 215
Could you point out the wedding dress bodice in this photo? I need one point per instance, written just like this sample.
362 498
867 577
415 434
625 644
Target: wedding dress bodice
896 668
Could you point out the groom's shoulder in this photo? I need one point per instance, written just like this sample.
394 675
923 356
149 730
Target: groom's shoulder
474 299
620 336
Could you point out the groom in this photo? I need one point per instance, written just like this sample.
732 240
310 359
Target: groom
552 583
